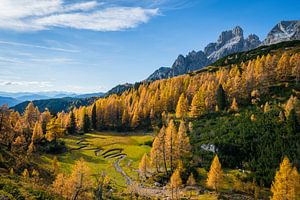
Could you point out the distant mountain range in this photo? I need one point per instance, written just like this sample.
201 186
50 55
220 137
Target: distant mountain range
13 99
56 104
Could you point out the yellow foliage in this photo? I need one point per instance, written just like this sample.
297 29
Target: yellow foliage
25 173
215 175
286 183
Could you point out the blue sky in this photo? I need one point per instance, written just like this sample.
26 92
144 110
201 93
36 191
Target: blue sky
91 46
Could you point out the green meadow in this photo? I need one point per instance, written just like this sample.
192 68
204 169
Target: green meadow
100 150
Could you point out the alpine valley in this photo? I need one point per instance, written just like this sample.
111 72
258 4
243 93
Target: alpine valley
220 123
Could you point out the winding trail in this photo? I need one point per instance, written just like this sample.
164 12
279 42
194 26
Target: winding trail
121 171
136 187
143 191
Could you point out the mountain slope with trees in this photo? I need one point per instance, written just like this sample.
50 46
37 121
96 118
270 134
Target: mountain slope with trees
244 114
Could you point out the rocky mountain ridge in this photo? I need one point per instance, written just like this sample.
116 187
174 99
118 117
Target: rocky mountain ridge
229 42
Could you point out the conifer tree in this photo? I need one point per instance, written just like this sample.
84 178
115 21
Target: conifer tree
221 98
31 114
283 70
171 144
175 182
86 123
35 174
286 183
72 127
234 106
94 117
191 180
198 105
184 146
290 105
37 134
54 130
215 175
25 174
45 119
267 107
135 120
59 184
156 153
11 171
125 119
31 148
79 181
182 107
296 67
143 166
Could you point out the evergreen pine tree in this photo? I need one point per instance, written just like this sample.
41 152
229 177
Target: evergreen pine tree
72 127
86 123
94 117
221 98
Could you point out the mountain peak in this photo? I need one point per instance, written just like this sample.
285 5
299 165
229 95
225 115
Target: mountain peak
283 31
238 31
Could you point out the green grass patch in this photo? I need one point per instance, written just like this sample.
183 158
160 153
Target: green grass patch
112 145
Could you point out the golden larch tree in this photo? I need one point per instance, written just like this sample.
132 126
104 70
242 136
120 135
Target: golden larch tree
171 144
191 180
79 182
37 133
283 69
144 165
58 186
286 183
198 104
215 175
184 146
175 182
182 107
234 106
156 153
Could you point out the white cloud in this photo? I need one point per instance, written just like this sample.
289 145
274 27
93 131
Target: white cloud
31 15
40 84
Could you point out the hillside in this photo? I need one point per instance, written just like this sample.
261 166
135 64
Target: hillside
56 105
242 114
9 100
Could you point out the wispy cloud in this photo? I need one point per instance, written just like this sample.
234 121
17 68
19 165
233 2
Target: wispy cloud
38 46
30 15
10 60
41 84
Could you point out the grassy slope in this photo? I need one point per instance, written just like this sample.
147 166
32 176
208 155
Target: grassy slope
133 145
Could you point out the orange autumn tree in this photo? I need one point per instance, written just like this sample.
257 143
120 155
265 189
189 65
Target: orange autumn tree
198 105
144 165
182 107
215 175
286 183
76 186
175 182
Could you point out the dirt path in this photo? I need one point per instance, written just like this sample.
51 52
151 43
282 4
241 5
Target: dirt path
121 171
143 191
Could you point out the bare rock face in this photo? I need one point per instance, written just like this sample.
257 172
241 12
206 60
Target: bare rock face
229 42
283 31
